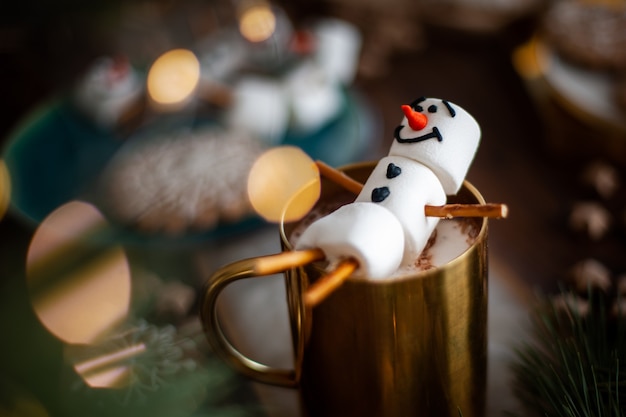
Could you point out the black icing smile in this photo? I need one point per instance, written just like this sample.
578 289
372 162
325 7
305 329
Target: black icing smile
433 134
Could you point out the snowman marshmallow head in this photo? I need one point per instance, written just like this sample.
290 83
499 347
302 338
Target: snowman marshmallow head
440 135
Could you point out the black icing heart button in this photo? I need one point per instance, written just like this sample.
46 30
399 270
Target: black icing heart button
379 194
393 170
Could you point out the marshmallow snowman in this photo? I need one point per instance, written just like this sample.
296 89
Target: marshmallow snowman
386 226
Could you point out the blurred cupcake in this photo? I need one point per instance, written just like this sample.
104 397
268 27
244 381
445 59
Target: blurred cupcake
588 33
581 48
589 40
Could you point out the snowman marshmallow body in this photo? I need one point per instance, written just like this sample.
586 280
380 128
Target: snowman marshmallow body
386 226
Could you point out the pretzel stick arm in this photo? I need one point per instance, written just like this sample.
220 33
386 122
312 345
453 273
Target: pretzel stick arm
448 211
273 264
329 283
322 288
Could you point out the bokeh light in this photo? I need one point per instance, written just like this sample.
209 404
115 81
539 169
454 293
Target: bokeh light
257 23
283 184
79 285
173 77
5 188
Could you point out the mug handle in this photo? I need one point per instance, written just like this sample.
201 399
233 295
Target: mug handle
248 268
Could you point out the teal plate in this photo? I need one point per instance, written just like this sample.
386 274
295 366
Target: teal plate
56 155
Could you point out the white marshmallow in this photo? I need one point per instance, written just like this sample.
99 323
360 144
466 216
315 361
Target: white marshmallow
414 187
260 107
450 157
315 98
367 232
386 235
338 49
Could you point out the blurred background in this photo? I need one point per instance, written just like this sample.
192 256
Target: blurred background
148 115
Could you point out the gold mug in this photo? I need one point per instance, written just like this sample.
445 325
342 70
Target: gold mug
410 346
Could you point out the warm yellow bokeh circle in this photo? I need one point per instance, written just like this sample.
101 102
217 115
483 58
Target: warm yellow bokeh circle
283 184
79 287
173 77
257 23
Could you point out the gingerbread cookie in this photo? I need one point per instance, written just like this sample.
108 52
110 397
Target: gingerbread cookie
190 180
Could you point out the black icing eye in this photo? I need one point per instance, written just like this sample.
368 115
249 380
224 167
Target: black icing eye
419 108
432 108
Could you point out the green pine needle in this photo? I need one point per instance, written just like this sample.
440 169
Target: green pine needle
575 365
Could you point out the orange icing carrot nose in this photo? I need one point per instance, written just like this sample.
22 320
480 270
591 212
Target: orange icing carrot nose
417 120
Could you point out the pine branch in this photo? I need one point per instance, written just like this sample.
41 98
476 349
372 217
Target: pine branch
575 365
